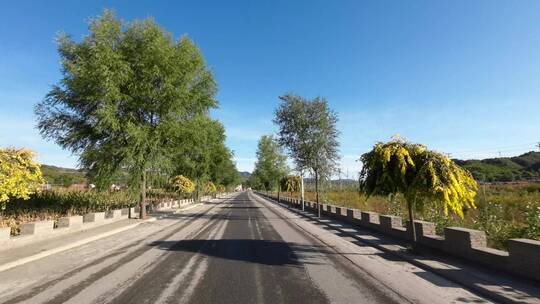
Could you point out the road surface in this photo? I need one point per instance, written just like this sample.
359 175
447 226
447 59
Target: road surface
242 249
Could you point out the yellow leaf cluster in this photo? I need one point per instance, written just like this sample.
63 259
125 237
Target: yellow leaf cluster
182 184
290 183
419 174
220 188
20 176
209 188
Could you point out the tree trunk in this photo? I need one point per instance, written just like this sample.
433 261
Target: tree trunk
411 221
198 186
317 193
278 193
142 205
302 190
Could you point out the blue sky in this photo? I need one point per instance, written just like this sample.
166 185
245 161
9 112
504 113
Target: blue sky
459 76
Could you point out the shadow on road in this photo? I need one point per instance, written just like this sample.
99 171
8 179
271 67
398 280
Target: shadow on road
264 252
240 207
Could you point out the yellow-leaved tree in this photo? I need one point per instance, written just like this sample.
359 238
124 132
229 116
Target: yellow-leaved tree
20 176
220 188
421 175
209 188
290 184
182 185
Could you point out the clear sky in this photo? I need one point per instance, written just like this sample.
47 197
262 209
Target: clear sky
462 77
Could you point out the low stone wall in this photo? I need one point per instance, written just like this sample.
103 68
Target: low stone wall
35 231
173 204
522 258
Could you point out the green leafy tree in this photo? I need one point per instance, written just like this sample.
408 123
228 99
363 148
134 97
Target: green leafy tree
20 176
420 175
271 165
201 154
127 88
308 129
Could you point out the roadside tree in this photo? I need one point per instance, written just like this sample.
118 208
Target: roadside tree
307 128
421 175
270 166
182 185
126 90
20 176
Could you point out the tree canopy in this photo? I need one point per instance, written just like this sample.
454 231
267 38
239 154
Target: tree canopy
307 128
270 166
421 175
290 183
127 90
182 184
201 154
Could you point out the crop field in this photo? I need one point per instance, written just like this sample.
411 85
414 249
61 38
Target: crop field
504 211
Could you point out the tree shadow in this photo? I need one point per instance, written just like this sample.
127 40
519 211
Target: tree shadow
240 207
265 252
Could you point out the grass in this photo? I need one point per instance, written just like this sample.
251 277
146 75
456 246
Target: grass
503 211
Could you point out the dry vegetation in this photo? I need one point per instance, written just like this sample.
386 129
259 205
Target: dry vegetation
503 211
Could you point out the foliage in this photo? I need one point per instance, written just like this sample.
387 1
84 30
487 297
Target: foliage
220 188
308 129
182 184
127 89
201 153
20 176
270 166
47 205
290 183
419 174
209 187
503 211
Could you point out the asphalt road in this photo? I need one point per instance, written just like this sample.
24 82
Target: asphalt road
242 249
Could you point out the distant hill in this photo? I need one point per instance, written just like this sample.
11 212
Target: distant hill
504 169
62 176
245 174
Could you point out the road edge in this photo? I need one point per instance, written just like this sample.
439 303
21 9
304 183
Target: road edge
72 245
483 292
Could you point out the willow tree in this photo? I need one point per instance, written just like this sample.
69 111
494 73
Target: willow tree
290 184
420 175
307 128
20 176
126 90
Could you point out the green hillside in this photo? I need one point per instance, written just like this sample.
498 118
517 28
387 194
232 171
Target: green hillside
504 169
62 176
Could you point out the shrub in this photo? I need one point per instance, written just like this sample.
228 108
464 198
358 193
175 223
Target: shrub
20 176
51 205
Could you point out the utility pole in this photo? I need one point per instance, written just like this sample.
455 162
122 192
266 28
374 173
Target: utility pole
538 146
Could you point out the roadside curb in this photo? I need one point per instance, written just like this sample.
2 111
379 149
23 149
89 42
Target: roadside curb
485 292
87 240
